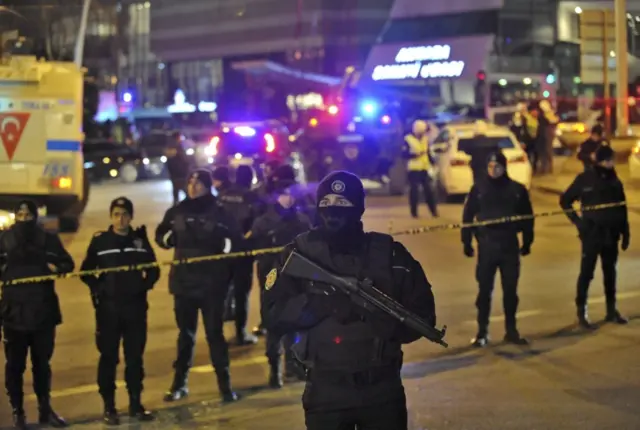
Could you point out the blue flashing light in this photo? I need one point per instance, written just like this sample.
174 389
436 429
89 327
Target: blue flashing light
369 108
127 97
245 131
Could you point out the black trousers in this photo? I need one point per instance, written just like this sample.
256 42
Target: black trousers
490 261
186 310
17 345
275 343
178 184
422 179
242 280
124 323
385 416
608 253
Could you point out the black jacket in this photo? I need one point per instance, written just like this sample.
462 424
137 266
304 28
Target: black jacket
241 203
586 150
31 306
197 228
493 199
594 187
108 249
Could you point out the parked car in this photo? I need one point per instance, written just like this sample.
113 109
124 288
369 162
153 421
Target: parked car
451 150
110 160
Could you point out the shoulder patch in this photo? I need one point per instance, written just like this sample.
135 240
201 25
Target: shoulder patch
271 279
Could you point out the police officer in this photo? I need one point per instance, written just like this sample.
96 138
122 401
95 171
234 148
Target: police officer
198 226
588 148
243 205
279 226
30 312
177 164
353 356
600 231
416 151
120 301
498 248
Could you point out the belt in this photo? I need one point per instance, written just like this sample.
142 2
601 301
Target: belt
361 378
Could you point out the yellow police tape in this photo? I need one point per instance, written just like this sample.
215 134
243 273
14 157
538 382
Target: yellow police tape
256 252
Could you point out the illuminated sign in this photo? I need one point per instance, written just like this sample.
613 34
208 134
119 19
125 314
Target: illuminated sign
424 62
180 105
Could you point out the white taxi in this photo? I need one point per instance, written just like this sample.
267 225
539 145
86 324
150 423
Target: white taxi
453 145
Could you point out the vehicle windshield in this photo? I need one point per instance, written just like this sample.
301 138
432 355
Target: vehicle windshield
468 144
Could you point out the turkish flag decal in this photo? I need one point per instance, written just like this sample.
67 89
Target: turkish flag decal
11 127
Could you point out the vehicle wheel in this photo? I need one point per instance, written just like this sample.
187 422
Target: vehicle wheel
397 178
129 173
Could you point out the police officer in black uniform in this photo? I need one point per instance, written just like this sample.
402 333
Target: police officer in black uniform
600 231
353 356
588 148
279 226
480 151
243 205
30 312
198 226
495 197
120 301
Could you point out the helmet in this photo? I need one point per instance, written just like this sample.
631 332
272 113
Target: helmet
420 127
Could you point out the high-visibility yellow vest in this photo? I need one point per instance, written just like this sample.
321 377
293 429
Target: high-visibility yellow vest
418 147
532 125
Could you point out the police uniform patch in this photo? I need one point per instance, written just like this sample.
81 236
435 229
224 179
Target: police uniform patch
338 187
271 279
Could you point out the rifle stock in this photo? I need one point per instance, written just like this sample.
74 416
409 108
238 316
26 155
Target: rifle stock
299 266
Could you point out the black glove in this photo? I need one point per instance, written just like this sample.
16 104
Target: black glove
625 242
468 250
525 250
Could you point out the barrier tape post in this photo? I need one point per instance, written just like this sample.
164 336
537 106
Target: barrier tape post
256 252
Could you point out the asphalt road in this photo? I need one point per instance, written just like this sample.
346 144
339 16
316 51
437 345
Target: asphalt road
567 379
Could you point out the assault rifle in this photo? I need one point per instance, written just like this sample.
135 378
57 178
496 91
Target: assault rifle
364 294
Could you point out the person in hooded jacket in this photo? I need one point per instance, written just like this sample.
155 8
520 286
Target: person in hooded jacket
30 312
496 197
353 356
243 204
601 231
198 226
120 302
279 226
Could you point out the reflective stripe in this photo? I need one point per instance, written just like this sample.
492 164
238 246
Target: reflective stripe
227 246
115 251
166 237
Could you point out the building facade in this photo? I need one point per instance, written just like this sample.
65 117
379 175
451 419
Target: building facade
190 45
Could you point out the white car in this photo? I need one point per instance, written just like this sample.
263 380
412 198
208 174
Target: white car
451 151
634 162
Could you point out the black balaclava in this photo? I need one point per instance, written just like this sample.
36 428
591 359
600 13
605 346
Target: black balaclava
244 177
605 153
499 158
26 229
341 225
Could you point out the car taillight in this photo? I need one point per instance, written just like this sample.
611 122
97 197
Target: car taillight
457 162
271 142
519 159
62 183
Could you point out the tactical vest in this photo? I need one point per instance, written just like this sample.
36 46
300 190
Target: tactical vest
420 148
356 345
497 204
237 207
195 234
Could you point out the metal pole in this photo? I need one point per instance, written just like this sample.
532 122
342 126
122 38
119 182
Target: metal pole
605 72
622 79
82 32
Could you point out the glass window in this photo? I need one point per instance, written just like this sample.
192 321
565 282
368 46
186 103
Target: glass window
467 145
441 26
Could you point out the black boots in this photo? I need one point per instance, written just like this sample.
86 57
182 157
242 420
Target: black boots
512 336
47 416
224 385
583 318
19 419
178 390
110 415
137 411
275 373
482 338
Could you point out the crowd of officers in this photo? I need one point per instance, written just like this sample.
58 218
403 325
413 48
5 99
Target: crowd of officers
349 355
